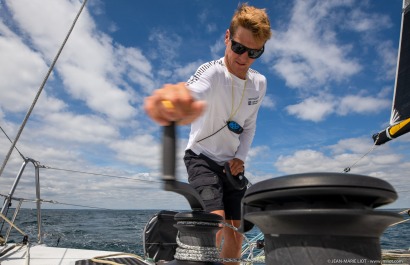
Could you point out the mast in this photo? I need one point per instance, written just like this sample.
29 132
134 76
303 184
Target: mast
400 114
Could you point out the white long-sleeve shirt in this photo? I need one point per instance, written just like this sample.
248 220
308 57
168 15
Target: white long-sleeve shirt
223 92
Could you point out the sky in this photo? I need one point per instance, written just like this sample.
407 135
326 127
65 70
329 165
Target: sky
330 67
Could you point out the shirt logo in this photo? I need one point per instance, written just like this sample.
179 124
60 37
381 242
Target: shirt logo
253 101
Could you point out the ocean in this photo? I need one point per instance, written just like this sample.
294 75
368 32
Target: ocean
122 230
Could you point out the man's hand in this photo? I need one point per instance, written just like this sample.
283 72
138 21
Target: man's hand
173 102
237 166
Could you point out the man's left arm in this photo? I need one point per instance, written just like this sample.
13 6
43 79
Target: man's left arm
249 129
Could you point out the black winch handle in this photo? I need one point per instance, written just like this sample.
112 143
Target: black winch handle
238 182
168 170
169 153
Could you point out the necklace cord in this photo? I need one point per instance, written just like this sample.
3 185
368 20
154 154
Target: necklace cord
233 113
233 99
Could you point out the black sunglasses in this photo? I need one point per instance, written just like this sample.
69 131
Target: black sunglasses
240 49
233 126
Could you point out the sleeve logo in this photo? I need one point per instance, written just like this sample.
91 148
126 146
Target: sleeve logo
253 101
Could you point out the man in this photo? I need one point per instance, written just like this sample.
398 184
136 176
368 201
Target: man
221 101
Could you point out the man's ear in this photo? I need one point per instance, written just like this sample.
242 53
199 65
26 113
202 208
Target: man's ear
227 36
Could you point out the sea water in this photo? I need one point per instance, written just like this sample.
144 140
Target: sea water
122 230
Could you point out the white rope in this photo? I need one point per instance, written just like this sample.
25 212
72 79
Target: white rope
403 221
103 260
207 254
196 253
11 223
405 211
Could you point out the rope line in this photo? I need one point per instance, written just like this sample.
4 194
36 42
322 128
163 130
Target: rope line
405 211
102 259
403 221
13 225
347 169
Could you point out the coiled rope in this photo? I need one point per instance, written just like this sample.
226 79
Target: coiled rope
188 248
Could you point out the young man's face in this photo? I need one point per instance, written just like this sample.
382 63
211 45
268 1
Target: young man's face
238 64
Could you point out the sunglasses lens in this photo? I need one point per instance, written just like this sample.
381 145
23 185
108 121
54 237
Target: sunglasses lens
254 54
238 48
234 127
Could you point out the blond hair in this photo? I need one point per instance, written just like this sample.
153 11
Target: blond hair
254 19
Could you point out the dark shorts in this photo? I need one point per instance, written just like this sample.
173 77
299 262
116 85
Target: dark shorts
208 178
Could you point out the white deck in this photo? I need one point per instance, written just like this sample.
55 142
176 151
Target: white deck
43 255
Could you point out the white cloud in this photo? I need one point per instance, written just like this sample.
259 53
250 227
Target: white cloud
317 108
362 104
135 66
306 161
369 25
167 45
360 21
138 150
24 65
68 127
388 54
313 109
306 53
203 18
351 145
268 102
101 96
256 152
91 65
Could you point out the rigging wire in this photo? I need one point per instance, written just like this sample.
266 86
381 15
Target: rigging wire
40 90
99 174
55 202
71 204
347 169
22 156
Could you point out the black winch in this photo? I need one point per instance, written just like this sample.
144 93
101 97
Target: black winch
320 218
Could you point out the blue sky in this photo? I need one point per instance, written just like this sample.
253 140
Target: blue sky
330 67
